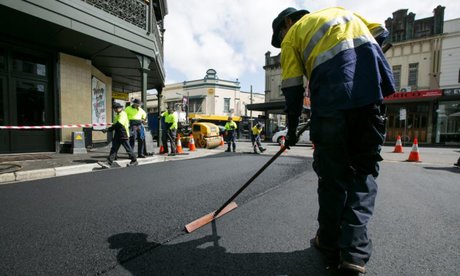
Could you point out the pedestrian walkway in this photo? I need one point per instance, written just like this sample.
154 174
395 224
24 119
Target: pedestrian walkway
61 164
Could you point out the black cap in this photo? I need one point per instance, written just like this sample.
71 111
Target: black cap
116 105
137 101
278 22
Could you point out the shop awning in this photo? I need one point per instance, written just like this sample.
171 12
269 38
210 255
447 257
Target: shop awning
268 106
415 96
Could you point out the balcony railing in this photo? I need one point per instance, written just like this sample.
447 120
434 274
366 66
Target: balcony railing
132 11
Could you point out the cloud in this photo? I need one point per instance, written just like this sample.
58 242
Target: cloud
232 37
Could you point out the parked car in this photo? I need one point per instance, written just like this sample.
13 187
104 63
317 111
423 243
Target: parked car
303 139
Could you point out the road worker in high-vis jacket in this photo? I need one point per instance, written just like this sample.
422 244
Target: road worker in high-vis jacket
120 126
230 134
169 134
339 53
137 117
256 131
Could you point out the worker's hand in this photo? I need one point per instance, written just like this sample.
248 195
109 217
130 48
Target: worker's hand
291 139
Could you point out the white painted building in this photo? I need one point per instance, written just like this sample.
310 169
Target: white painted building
209 96
448 111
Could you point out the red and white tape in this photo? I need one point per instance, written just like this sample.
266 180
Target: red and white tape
55 126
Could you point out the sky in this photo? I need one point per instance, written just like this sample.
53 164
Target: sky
232 36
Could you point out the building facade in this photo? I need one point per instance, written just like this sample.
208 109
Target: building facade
422 63
274 104
210 96
64 62
425 59
448 111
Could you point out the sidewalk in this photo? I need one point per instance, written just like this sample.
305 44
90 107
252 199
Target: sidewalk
61 164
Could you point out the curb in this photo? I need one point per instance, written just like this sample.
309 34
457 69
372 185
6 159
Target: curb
11 178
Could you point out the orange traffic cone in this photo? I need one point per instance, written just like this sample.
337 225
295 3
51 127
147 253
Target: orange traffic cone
414 155
398 146
283 142
162 149
191 143
179 144
222 143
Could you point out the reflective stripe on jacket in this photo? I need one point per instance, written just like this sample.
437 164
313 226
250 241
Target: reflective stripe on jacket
337 51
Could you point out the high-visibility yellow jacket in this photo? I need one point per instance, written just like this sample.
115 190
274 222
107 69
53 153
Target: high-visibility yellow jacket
170 120
256 131
135 113
338 53
230 126
120 125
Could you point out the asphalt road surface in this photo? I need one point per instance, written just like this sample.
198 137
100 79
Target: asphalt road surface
130 220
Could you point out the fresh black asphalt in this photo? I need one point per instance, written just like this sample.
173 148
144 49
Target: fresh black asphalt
63 225
129 221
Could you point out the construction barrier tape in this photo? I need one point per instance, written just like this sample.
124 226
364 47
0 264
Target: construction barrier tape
55 126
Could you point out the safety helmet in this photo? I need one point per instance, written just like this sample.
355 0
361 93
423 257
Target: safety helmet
279 21
116 105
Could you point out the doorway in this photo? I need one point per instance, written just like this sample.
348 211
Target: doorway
25 100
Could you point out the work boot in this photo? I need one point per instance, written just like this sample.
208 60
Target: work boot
350 269
228 150
172 154
104 164
132 163
141 156
331 256
262 149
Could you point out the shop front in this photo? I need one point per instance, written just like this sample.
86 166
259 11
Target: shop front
412 115
26 99
448 119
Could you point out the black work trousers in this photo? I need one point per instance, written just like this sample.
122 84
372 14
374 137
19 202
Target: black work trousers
169 135
116 143
347 152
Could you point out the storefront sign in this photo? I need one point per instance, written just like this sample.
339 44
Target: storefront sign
452 92
120 96
98 94
414 95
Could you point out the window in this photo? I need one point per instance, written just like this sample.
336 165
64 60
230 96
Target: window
413 73
29 65
397 76
226 105
195 106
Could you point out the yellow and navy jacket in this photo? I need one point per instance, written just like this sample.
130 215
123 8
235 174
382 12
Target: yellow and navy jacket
339 53
135 115
120 125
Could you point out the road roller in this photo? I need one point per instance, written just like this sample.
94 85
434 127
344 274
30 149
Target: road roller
206 135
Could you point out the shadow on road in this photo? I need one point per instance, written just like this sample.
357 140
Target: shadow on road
204 256
449 169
